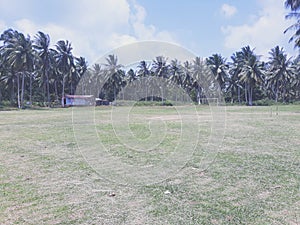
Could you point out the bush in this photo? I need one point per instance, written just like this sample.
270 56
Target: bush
264 102
295 102
5 104
153 103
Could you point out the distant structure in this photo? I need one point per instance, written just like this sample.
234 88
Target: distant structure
78 100
100 101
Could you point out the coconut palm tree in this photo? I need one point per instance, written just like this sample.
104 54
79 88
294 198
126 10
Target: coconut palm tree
294 6
143 69
95 80
55 77
160 67
176 72
251 72
279 72
235 84
114 77
42 45
2 76
112 65
130 76
114 84
81 65
295 81
9 76
20 55
219 68
81 69
143 74
5 75
65 62
176 76
200 79
187 77
130 79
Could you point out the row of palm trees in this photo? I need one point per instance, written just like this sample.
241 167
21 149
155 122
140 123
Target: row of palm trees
33 71
30 69
245 79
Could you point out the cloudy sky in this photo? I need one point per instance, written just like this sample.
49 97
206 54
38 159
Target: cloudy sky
203 26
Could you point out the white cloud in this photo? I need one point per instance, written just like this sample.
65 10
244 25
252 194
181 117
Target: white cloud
105 15
55 31
147 32
117 40
2 25
93 26
228 10
263 32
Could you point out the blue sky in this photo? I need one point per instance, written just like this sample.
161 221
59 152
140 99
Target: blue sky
203 26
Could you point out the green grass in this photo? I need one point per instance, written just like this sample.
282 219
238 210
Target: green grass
46 176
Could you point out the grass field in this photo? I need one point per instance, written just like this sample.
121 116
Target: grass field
57 171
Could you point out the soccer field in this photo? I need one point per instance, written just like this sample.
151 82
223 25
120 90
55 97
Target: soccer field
150 165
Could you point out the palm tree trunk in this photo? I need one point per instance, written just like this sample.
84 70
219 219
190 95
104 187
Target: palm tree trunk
199 95
83 90
44 85
283 94
48 90
12 97
30 90
246 93
0 95
162 95
152 96
18 91
22 89
56 90
250 95
276 92
63 91
239 94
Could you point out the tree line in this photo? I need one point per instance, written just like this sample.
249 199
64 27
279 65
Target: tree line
32 71
242 80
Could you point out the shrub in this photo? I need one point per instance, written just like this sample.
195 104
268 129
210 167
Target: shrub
153 103
264 102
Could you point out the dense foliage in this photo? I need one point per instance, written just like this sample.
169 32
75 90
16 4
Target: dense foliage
31 71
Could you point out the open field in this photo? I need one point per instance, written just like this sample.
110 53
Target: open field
52 172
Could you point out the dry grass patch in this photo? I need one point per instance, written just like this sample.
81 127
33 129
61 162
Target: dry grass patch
253 179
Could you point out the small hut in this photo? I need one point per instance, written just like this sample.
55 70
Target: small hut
78 100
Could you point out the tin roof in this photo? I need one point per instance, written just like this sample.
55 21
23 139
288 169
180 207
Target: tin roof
79 96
